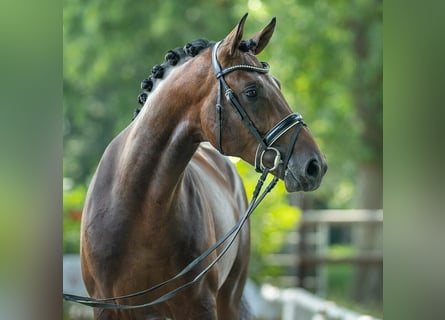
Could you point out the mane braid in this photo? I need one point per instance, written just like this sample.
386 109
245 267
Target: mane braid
172 58
178 55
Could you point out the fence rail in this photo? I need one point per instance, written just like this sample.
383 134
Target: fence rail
367 259
300 304
337 216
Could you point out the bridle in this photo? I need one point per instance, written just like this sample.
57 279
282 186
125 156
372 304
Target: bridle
264 144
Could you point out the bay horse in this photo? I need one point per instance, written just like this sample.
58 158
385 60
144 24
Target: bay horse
163 191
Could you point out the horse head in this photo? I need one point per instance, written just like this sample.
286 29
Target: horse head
253 120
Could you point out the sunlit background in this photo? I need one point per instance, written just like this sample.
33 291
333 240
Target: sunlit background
328 58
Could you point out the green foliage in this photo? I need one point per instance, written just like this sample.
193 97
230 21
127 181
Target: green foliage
72 206
270 222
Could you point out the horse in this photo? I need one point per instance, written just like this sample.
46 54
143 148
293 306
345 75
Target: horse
164 190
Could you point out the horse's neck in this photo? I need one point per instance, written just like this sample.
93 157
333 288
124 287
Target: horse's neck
157 148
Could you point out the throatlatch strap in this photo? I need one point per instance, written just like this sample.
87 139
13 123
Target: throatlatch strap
219 119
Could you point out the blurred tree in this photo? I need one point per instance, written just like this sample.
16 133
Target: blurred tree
367 93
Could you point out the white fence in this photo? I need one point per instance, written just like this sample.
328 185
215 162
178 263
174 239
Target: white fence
299 304
304 257
366 227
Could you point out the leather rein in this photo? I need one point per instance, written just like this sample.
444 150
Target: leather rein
264 144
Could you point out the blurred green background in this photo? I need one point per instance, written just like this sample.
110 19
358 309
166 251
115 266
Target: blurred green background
326 54
31 155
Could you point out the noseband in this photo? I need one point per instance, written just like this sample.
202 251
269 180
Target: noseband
264 143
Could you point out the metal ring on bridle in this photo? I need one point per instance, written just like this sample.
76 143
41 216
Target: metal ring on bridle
292 120
277 161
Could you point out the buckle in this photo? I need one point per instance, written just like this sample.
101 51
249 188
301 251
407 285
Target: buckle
277 161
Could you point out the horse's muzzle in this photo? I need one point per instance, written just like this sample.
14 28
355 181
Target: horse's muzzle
305 174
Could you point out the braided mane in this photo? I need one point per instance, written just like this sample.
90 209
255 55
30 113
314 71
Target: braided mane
178 56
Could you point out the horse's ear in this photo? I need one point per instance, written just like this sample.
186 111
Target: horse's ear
234 38
262 37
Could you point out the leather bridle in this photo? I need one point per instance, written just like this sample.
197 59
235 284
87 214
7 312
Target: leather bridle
264 143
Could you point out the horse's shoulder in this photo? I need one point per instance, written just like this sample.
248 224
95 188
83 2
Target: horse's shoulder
214 170
206 152
208 162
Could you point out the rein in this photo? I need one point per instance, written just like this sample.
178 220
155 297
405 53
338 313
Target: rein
265 144
106 302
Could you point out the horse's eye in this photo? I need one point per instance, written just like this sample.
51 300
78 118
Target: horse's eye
251 92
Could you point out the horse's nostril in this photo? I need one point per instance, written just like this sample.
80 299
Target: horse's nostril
313 169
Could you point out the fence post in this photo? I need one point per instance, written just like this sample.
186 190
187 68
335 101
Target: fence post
322 239
288 311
